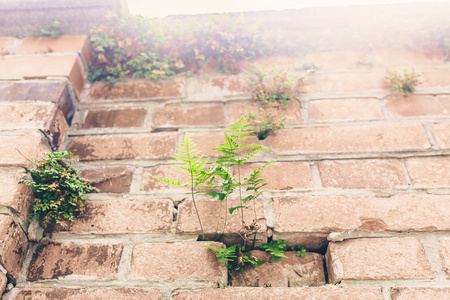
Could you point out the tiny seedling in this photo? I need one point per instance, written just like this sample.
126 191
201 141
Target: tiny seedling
275 86
58 190
405 84
265 122
53 30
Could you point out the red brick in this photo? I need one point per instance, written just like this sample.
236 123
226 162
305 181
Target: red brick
52 91
137 89
335 293
163 171
174 261
179 115
377 258
292 112
345 110
291 271
119 216
333 83
445 255
229 85
148 146
13 246
429 171
324 214
419 293
332 59
282 175
415 105
360 174
31 145
3 282
109 179
14 195
342 139
81 294
66 43
209 210
444 100
435 78
206 142
42 115
43 66
115 118
5 44
269 61
55 260
442 134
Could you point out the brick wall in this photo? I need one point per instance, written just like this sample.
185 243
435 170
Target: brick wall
361 179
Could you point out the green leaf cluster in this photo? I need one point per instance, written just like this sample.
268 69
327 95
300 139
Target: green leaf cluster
58 190
405 84
275 86
266 122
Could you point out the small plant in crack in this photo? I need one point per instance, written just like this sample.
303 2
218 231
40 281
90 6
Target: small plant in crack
58 190
266 122
405 84
275 86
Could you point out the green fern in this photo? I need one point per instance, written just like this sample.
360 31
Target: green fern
276 248
194 164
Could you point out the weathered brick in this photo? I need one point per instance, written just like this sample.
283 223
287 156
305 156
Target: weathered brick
13 246
435 78
334 293
442 134
429 171
291 271
209 210
445 255
444 100
299 220
419 293
377 138
42 115
115 118
5 44
3 282
378 258
14 195
345 82
163 171
55 260
81 294
282 175
66 43
174 261
415 106
31 145
136 146
43 66
109 179
268 62
137 89
176 115
38 90
119 216
292 112
360 174
386 57
345 110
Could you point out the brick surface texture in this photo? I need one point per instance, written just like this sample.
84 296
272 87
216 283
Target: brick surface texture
359 175
383 258
55 260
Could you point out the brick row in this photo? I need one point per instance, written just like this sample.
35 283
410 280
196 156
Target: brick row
100 261
30 145
15 195
123 216
304 218
378 258
13 246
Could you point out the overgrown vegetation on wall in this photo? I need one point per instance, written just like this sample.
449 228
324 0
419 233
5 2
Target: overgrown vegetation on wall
136 47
